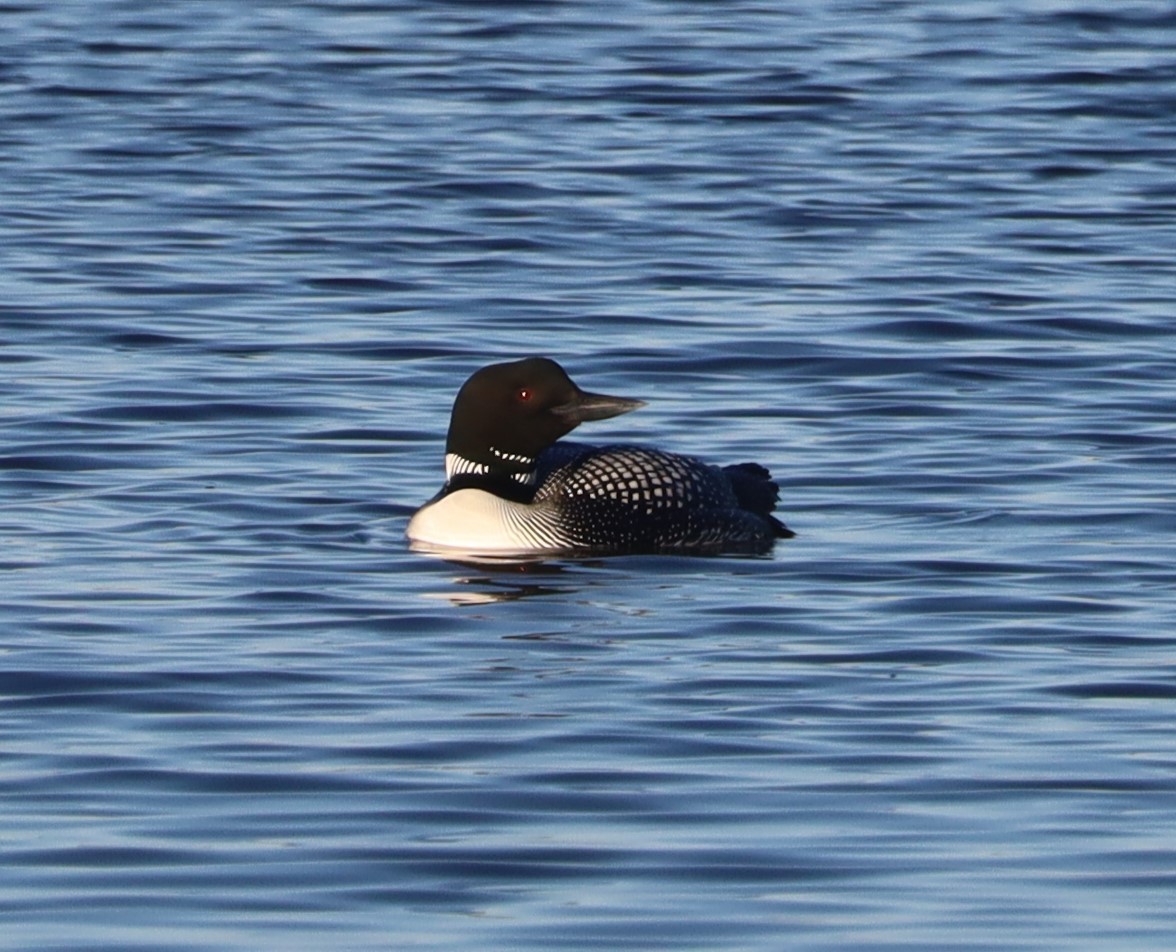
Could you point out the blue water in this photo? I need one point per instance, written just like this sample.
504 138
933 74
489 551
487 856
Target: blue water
919 258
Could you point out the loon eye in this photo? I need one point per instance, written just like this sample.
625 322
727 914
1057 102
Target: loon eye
524 394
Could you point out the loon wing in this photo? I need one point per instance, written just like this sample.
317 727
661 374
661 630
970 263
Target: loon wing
639 498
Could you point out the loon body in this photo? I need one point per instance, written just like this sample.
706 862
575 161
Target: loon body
511 487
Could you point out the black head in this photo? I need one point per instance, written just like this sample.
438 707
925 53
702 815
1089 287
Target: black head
505 415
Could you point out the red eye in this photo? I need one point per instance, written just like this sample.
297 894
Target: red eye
525 394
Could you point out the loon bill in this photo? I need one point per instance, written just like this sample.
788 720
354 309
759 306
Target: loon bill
511 486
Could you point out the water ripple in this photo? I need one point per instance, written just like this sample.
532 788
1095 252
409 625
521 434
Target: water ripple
915 259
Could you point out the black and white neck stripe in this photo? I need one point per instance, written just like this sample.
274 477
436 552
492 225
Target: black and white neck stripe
458 465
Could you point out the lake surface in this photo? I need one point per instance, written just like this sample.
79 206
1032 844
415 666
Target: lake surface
918 258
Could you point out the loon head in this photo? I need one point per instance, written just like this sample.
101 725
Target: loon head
505 415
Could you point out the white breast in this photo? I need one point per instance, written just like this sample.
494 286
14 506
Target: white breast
478 521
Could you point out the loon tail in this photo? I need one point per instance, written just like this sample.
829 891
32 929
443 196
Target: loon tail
758 493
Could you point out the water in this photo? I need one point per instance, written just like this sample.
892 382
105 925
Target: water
916 259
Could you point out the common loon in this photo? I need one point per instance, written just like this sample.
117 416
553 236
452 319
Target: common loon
512 488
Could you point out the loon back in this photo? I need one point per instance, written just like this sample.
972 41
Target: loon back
636 499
